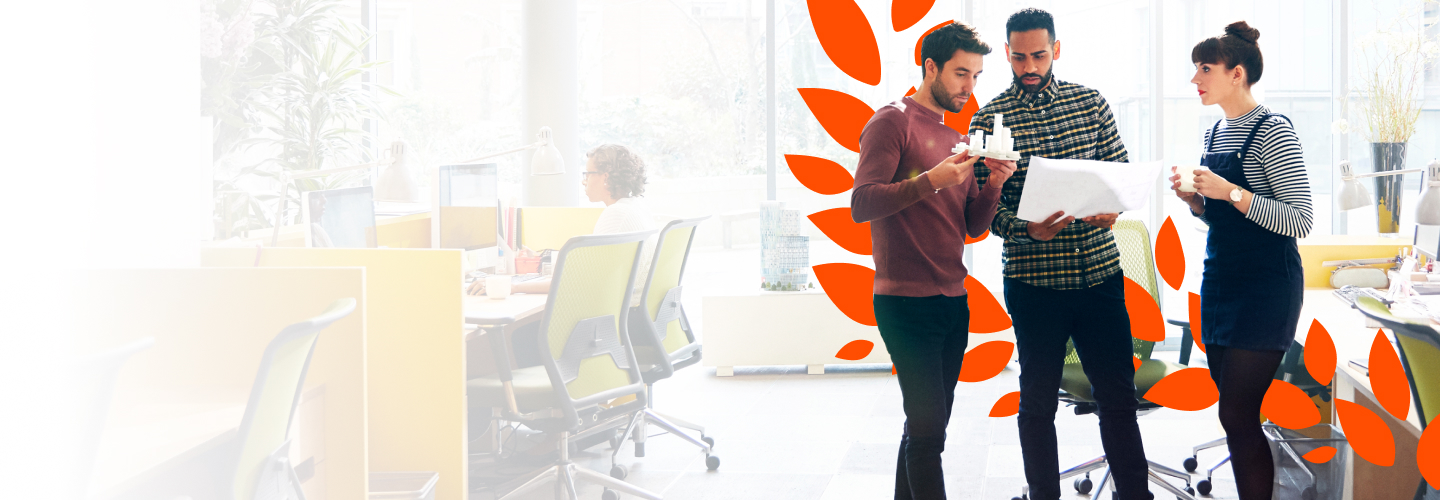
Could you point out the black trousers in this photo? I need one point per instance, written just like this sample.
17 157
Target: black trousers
1096 319
926 338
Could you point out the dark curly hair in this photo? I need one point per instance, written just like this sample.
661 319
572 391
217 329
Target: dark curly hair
1030 19
1237 47
624 170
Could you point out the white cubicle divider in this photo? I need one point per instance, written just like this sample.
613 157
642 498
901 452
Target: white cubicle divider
781 328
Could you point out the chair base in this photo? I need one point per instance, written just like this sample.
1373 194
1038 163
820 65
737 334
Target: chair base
637 431
1156 472
566 473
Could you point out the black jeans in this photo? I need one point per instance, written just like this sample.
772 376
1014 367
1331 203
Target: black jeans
1095 318
926 338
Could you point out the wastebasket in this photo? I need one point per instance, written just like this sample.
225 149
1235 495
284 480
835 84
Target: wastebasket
1298 478
403 485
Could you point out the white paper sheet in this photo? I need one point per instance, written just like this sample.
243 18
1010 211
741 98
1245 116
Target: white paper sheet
1082 188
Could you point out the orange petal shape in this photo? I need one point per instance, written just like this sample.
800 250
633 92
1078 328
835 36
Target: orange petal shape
851 287
1427 454
972 241
820 175
905 13
1195 320
840 114
846 36
1319 353
1186 390
960 122
921 42
1367 433
892 369
1146 323
910 92
1169 256
1387 377
986 360
855 350
986 315
1007 405
1288 406
1320 455
1136 361
842 229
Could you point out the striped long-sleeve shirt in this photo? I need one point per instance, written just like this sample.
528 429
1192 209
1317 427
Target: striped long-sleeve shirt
1275 168
1062 121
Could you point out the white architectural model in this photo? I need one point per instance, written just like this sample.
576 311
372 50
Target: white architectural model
784 253
999 145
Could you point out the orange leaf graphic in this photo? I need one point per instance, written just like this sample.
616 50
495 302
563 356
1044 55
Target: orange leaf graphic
892 369
1288 406
1367 433
1146 323
972 241
905 13
1186 390
820 175
921 42
985 361
855 350
1427 455
960 122
1319 353
1320 455
1169 256
910 92
1007 405
986 315
851 287
846 36
1195 320
1136 361
842 229
840 114
1387 377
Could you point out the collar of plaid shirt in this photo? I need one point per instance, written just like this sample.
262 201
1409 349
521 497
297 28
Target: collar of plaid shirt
1063 120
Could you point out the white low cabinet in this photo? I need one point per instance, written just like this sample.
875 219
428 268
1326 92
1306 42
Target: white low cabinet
781 328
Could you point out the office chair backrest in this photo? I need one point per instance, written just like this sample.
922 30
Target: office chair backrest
1419 353
1137 263
671 254
276 394
590 355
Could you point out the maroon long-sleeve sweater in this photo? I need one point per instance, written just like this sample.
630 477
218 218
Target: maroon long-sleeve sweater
918 234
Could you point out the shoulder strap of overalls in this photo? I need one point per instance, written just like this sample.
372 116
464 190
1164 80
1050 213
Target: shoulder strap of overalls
1256 130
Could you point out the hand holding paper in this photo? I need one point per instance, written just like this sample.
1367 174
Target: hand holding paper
1085 188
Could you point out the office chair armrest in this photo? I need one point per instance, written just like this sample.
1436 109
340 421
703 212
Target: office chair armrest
1185 338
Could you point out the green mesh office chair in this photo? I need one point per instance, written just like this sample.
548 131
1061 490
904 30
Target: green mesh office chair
1137 263
1420 355
663 339
590 360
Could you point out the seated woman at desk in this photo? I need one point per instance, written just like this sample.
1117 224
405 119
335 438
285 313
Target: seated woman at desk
614 175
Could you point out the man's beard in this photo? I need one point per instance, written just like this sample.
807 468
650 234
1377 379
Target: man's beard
1044 80
946 100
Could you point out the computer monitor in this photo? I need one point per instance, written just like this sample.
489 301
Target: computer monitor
339 218
1427 240
466 211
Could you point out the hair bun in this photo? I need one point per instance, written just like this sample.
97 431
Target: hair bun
1243 31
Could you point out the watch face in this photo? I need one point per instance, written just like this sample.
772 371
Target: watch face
1235 195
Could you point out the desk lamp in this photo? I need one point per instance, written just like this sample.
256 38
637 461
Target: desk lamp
547 160
1353 194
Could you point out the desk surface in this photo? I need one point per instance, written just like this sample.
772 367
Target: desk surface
484 311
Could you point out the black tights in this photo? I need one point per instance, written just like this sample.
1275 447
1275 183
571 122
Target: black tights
1243 376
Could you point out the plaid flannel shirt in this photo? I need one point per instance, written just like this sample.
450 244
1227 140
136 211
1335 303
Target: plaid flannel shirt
1063 121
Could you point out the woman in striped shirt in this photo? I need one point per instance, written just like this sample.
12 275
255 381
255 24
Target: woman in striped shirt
1255 197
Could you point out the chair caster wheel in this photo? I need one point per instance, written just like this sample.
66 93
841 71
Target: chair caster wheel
1203 487
609 494
618 471
1191 464
1083 485
639 450
1190 491
616 440
712 462
709 441
1023 497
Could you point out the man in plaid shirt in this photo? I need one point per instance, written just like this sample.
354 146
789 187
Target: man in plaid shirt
1062 276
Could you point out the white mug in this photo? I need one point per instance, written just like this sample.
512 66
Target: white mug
497 286
1187 177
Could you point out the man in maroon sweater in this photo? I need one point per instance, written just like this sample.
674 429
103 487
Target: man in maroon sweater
921 202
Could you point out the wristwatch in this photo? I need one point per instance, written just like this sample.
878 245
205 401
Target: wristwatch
1236 195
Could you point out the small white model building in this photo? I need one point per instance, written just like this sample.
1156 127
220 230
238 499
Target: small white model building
999 145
